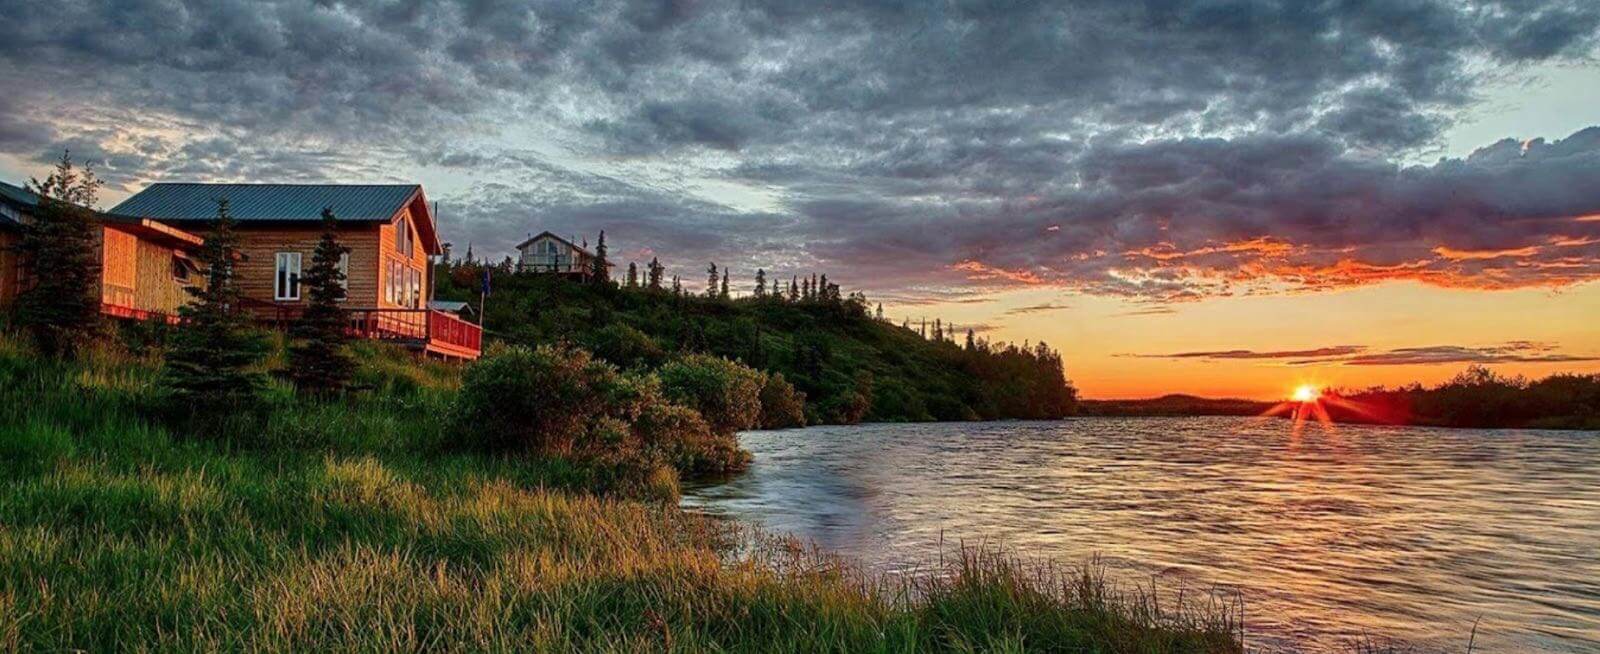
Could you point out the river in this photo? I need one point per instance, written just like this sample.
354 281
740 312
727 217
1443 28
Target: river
1328 534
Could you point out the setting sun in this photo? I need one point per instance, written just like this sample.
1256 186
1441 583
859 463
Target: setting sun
1305 393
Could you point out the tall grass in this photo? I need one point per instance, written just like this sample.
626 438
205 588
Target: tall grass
346 526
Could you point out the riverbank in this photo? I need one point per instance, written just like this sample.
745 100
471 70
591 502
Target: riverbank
344 525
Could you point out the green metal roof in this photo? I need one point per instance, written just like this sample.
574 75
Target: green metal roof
18 194
14 195
268 202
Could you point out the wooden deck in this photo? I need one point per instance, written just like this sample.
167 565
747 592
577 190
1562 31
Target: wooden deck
426 330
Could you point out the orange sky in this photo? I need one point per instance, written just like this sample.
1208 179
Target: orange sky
1100 336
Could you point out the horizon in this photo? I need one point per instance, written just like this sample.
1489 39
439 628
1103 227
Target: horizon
1227 201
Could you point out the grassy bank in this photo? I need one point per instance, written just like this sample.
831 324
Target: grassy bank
351 525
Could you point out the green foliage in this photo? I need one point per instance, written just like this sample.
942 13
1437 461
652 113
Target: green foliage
625 346
560 401
1478 397
120 534
318 363
60 305
726 393
212 369
782 406
826 345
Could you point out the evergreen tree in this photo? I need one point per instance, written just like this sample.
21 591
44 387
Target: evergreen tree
633 275
794 289
972 343
211 365
60 248
656 271
711 280
880 312
602 268
677 285
470 260
318 363
723 293
761 283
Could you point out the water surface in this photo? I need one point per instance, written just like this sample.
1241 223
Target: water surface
1329 534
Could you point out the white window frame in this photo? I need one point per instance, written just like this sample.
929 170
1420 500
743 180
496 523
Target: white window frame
402 237
344 270
286 273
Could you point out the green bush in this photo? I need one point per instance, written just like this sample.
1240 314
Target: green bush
727 394
535 400
782 406
561 401
625 346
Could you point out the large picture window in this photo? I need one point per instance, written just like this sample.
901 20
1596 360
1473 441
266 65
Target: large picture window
286 284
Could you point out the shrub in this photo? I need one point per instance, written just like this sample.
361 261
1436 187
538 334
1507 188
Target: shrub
727 394
625 346
782 406
534 400
561 400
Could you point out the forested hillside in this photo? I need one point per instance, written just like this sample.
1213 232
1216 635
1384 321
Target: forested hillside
851 366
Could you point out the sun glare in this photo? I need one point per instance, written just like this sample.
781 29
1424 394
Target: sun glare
1305 393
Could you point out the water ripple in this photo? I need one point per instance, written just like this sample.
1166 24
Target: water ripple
1409 533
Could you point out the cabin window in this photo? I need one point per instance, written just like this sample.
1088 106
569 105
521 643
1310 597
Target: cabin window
416 288
286 284
344 275
402 236
180 269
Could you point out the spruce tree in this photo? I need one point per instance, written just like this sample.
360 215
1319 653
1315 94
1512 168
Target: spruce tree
60 248
633 275
972 343
723 293
656 271
711 280
211 365
761 283
318 363
880 312
794 289
601 272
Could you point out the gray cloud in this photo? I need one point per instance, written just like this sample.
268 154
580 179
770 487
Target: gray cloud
1166 151
1361 355
1319 353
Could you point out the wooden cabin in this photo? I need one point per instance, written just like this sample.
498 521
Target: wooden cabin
144 268
552 255
389 229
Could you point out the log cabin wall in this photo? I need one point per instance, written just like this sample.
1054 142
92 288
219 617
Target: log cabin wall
159 288
260 245
119 267
10 267
136 273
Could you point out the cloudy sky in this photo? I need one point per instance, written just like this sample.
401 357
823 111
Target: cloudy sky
1213 196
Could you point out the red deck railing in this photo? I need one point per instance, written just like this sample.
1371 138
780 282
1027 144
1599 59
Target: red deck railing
430 329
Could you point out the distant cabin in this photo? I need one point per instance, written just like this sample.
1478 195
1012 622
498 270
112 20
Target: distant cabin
144 265
389 229
551 254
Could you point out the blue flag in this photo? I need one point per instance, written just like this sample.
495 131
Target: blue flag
485 281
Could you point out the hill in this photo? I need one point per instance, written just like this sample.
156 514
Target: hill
851 366
1174 405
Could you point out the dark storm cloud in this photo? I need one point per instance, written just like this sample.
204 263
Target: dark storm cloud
1161 150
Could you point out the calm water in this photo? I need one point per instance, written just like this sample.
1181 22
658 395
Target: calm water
1408 533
